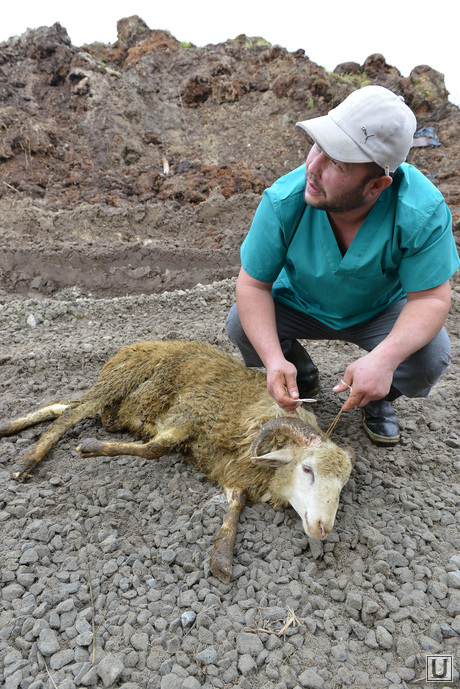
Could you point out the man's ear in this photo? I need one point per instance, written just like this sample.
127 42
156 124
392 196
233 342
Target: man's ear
375 186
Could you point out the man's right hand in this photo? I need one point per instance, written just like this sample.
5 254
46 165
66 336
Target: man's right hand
282 385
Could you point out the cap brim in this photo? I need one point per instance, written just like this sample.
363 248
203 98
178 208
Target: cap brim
333 141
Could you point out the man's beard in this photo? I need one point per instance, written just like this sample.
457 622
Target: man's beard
348 201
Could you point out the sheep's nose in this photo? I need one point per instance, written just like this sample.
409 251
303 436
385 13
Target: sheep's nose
318 528
322 529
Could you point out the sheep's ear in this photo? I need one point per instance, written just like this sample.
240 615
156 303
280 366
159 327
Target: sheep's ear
273 459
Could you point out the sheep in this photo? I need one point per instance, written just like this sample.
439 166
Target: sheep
192 397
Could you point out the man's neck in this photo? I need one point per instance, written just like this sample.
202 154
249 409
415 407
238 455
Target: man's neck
346 224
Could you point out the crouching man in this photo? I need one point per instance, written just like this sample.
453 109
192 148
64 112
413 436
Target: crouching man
355 245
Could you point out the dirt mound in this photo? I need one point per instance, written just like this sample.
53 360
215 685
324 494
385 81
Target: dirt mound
136 167
119 161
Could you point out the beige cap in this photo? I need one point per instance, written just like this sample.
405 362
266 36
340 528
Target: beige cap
372 124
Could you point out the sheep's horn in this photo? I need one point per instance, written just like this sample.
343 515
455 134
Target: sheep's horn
299 431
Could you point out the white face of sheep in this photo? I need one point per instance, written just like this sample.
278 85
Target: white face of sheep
311 479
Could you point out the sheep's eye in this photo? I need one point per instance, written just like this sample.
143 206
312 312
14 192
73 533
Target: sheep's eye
307 469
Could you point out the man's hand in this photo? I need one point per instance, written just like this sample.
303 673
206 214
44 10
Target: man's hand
421 318
369 378
282 385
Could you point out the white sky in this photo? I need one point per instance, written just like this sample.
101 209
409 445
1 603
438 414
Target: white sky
330 31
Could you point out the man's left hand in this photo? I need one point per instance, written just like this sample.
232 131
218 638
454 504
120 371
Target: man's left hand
367 378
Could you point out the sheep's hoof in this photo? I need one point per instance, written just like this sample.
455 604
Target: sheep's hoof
90 447
221 566
21 472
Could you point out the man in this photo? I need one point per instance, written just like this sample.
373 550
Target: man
362 251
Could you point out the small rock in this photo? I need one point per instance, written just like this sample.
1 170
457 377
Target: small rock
453 579
29 557
437 589
339 652
188 618
428 644
395 559
62 658
311 680
85 638
171 681
354 601
208 656
191 683
316 548
247 643
109 543
371 640
110 669
384 638
48 642
168 556
390 601
453 606
13 681
247 665
110 568
140 641
12 592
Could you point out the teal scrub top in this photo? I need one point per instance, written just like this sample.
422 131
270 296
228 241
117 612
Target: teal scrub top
404 245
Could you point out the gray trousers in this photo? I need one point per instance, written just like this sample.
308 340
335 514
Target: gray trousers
414 377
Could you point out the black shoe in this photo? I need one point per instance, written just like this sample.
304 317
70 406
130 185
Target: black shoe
307 373
308 384
381 423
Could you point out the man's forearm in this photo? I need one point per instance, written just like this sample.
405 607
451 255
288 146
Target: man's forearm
420 320
418 323
256 310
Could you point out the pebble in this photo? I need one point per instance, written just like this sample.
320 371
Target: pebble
48 642
383 637
171 681
248 644
311 680
110 669
61 658
191 683
207 657
188 618
247 665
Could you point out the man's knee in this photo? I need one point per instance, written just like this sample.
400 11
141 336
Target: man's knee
421 371
233 325
238 337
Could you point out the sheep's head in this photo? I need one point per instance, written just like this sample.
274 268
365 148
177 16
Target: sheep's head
310 471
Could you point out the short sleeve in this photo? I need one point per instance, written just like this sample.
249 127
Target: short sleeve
429 256
263 251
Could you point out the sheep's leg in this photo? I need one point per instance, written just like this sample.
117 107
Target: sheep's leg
52 411
68 419
161 444
224 542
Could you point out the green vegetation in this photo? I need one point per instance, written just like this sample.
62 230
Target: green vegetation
357 81
250 41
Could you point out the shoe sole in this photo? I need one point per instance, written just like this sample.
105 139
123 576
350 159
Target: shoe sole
383 440
314 391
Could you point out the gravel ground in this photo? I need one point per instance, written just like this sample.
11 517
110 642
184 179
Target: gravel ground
104 562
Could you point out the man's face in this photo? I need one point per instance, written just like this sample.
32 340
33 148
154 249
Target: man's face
334 186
